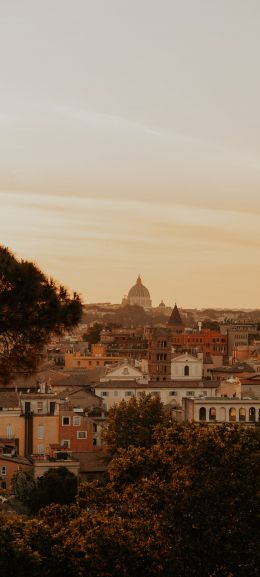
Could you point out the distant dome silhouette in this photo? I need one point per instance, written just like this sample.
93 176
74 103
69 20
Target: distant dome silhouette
139 290
139 295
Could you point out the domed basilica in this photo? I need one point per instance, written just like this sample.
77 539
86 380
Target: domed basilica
139 295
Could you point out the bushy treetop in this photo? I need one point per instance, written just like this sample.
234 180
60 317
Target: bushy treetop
32 307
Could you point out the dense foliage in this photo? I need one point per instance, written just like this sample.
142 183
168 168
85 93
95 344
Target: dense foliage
187 506
93 334
32 307
55 486
133 423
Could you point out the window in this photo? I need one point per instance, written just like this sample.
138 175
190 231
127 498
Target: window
104 394
190 393
52 408
128 393
94 442
40 449
65 421
40 431
65 443
3 470
252 414
212 414
115 393
9 431
95 427
186 370
27 407
81 434
39 407
232 415
242 414
202 414
76 420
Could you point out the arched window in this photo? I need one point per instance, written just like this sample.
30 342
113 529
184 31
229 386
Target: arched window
252 414
232 415
186 370
202 414
222 414
212 414
242 414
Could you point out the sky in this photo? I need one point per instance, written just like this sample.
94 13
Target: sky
130 143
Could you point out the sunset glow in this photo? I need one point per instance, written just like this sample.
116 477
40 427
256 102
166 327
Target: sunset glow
129 139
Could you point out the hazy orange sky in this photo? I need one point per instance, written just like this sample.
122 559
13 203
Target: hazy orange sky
130 143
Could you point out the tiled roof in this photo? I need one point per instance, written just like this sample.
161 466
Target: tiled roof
157 385
17 459
236 368
175 318
9 400
91 462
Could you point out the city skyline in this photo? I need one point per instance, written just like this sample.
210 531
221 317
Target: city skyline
129 137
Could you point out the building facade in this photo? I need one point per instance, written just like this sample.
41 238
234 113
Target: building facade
159 353
222 410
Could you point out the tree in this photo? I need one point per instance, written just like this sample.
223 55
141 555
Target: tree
131 316
133 423
186 506
198 488
55 486
32 307
211 325
92 335
23 484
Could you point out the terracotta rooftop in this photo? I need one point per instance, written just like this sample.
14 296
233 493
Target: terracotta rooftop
9 400
157 384
91 462
236 368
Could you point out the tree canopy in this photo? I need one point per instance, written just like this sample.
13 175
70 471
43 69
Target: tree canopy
92 335
57 485
32 307
133 423
186 506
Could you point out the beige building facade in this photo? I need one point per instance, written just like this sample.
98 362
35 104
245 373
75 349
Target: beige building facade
222 410
186 367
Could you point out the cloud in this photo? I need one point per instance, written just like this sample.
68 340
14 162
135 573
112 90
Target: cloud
98 246
154 224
